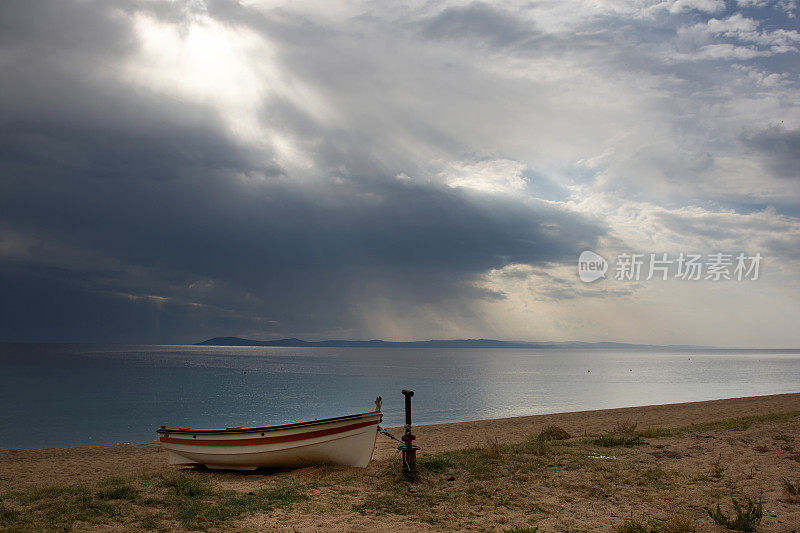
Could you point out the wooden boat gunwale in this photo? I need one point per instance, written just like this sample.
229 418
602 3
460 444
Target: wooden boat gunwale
256 429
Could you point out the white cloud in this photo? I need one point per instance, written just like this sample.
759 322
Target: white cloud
750 41
489 175
708 6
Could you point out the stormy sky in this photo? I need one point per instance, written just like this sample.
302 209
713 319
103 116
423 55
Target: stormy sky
177 170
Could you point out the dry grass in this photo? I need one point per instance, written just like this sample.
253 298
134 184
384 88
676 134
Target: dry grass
173 499
553 432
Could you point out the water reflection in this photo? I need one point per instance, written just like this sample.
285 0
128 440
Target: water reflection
79 394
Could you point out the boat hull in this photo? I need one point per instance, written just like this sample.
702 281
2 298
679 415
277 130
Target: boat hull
346 441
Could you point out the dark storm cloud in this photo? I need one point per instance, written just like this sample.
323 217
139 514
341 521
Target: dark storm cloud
571 291
96 28
780 149
296 260
185 232
479 21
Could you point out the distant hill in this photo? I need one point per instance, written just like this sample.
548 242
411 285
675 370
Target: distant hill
455 343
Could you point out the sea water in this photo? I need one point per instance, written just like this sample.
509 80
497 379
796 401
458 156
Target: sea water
70 394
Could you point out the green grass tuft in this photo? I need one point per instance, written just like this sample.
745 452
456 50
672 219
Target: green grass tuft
745 422
624 434
36 494
434 463
492 449
745 518
679 522
792 489
625 428
633 525
150 520
735 424
381 504
116 488
609 441
538 446
60 507
657 433
191 500
124 492
185 486
112 481
717 470
7 516
224 506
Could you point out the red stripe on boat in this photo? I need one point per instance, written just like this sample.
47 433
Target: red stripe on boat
269 440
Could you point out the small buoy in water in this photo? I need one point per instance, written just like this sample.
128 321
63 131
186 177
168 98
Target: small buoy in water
244 372
588 370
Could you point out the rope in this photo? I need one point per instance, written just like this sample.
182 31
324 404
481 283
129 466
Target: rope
384 432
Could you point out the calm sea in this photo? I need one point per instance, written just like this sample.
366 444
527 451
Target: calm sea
61 394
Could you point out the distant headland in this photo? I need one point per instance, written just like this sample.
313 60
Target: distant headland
453 343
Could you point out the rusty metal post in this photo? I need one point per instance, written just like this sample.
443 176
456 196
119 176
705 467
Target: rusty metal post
409 449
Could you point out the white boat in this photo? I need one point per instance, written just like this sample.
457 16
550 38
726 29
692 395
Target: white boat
342 440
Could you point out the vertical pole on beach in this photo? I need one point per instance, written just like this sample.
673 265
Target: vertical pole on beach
408 448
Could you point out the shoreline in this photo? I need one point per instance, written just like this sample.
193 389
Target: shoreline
751 401
649 468
599 420
32 466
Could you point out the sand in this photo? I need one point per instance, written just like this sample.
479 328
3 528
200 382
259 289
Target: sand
756 467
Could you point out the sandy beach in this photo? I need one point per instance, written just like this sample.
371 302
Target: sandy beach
696 453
